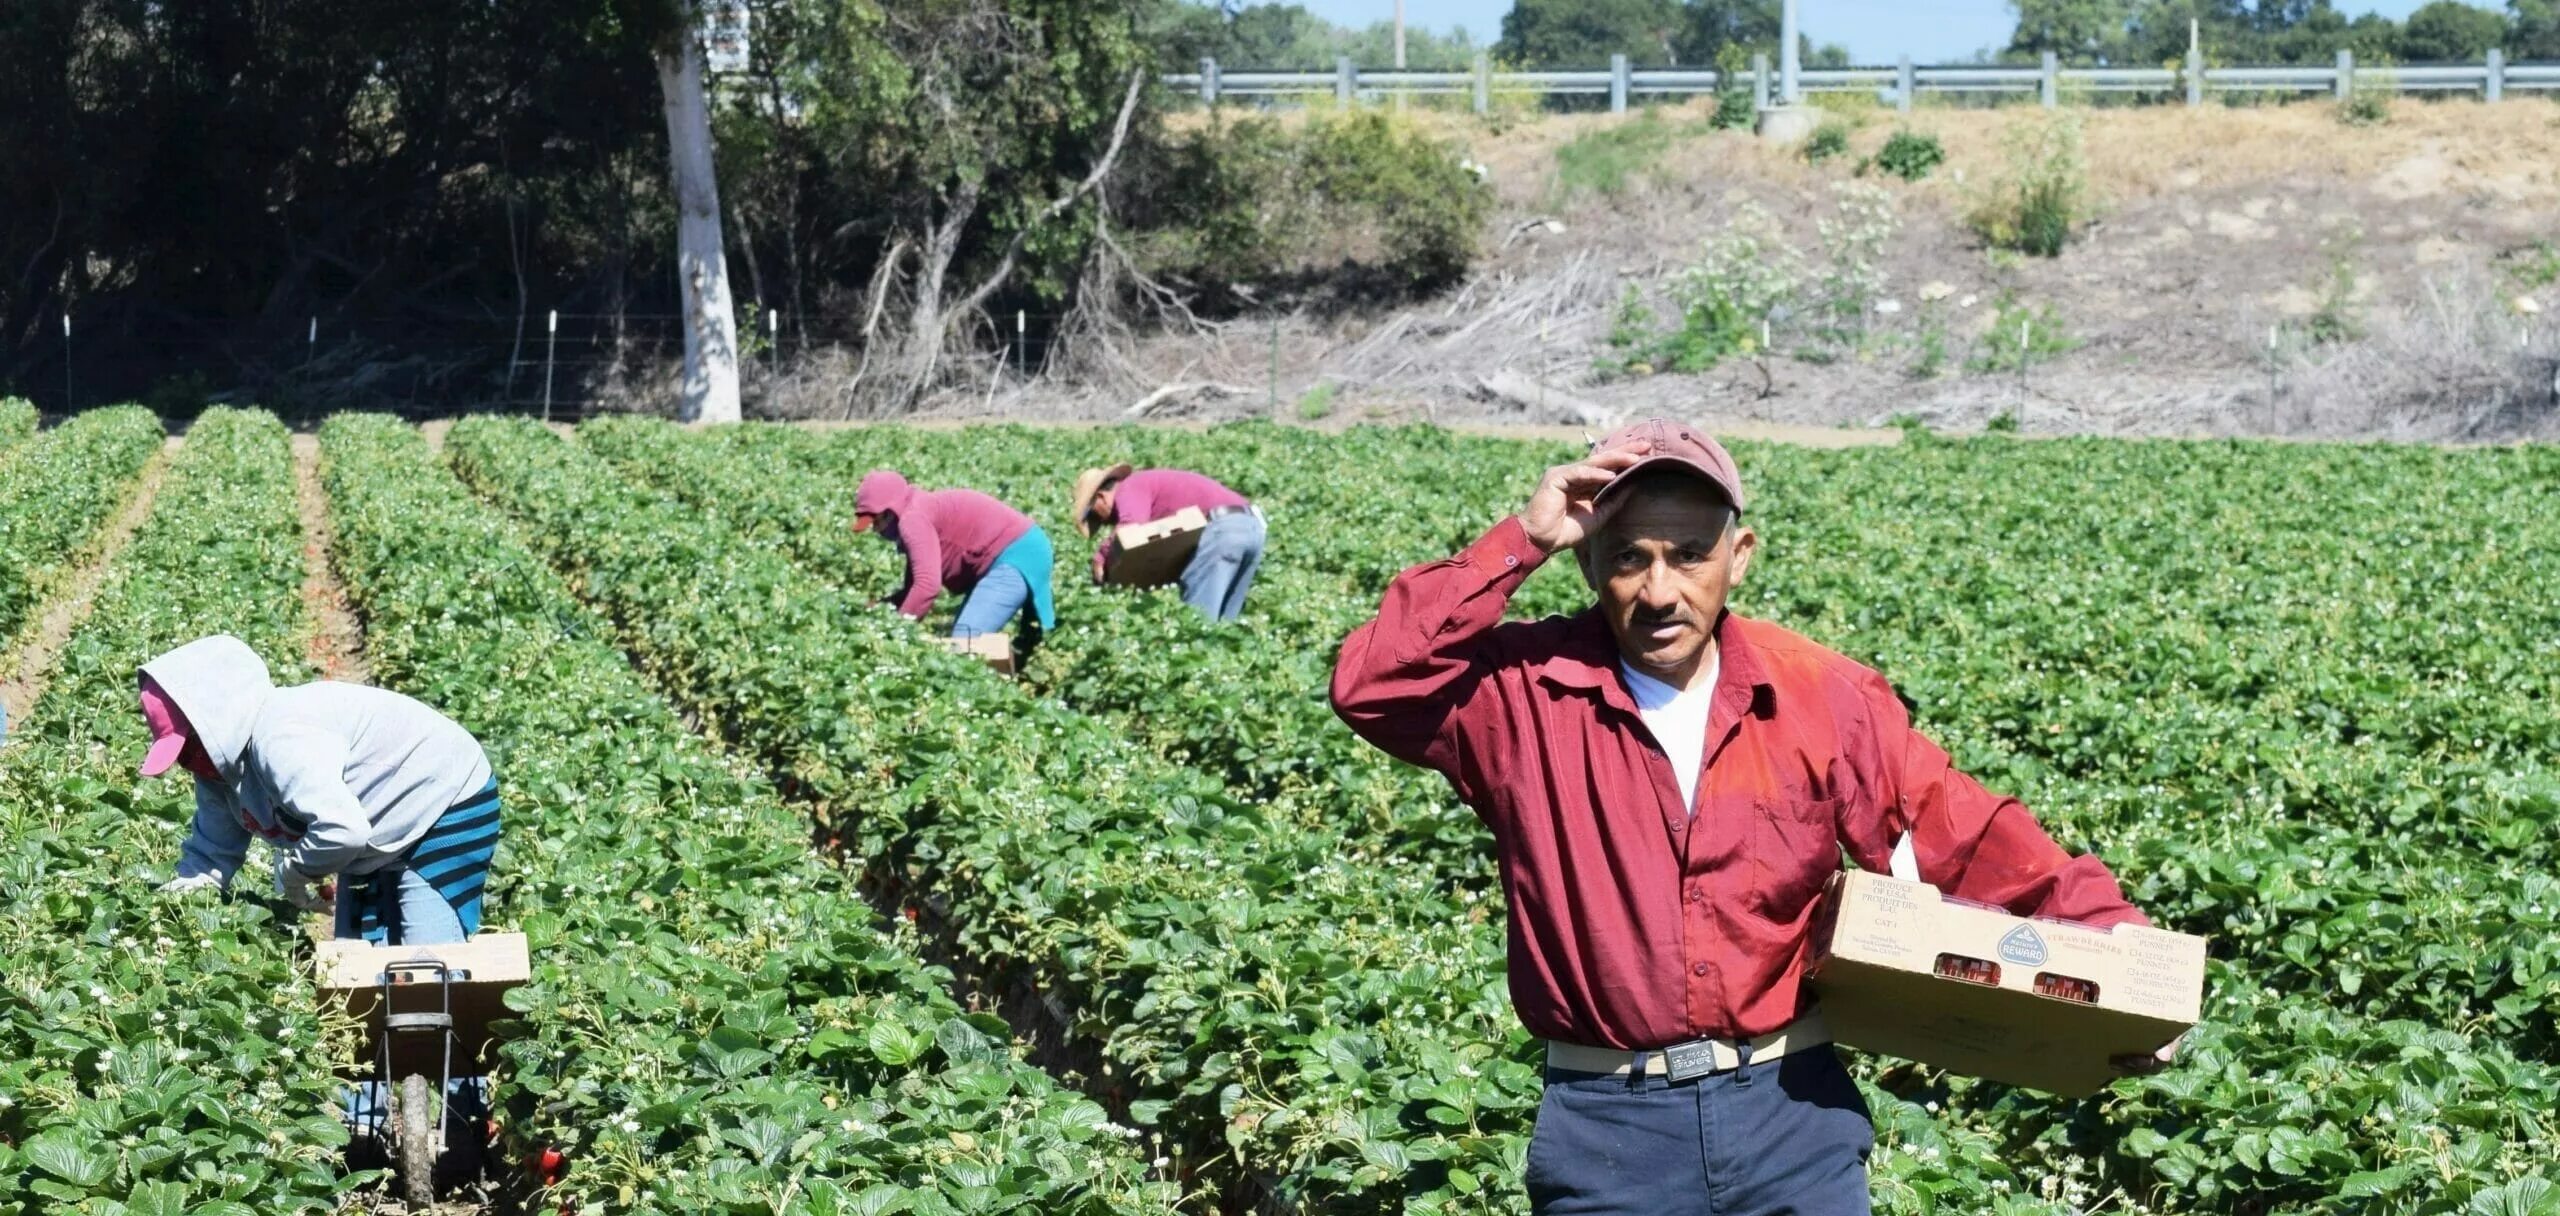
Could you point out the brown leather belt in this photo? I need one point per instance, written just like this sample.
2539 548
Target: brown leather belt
1695 1058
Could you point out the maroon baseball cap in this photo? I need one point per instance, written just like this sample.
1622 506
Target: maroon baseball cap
1679 446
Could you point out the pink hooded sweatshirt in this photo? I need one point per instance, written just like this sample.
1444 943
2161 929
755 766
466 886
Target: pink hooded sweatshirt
950 537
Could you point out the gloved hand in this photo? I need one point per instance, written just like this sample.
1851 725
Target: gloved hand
189 882
298 890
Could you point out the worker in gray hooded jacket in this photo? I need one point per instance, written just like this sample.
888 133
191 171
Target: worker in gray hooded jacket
390 797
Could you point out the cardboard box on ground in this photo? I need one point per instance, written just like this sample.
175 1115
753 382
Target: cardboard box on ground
1902 970
1153 553
350 973
993 649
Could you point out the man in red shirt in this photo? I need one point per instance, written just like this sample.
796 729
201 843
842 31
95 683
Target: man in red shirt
1670 786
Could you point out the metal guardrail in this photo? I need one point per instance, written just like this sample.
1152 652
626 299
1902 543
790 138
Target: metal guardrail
2491 79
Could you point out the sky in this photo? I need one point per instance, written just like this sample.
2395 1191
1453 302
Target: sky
1875 31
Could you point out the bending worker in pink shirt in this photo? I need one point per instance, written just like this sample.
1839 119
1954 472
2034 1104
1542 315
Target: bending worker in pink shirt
966 541
1221 570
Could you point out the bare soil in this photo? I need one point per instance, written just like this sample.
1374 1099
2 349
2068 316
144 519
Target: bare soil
2211 228
25 670
336 645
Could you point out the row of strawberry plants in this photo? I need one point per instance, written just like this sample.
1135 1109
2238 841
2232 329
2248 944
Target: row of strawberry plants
1268 733
17 422
715 1022
158 1053
2300 955
58 491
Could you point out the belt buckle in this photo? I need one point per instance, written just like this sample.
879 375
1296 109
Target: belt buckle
1695 1058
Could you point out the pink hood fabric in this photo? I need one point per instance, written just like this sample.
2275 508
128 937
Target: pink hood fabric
881 490
169 729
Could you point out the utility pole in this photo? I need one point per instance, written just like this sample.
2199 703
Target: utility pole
1789 62
1399 35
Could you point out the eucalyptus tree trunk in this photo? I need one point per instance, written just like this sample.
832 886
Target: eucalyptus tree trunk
709 391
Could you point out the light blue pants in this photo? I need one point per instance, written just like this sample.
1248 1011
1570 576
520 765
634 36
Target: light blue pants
1018 585
423 915
1222 568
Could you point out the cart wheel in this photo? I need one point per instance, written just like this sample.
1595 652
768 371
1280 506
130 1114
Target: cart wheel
415 1119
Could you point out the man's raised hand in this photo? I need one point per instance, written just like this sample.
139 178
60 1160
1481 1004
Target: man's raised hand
1560 514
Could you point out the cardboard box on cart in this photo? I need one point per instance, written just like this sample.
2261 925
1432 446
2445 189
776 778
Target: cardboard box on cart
1153 553
350 973
2043 1004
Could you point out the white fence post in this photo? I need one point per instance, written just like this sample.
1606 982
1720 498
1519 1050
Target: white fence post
2346 86
1617 84
1346 80
1208 80
2195 76
2049 89
1759 81
1905 83
2494 88
1484 83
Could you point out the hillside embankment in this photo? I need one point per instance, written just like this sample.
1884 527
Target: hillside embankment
2268 270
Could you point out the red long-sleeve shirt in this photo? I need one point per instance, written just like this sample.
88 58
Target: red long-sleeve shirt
1636 921
951 538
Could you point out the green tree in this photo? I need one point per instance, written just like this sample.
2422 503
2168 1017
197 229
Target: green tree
1585 33
2447 31
2535 29
2079 31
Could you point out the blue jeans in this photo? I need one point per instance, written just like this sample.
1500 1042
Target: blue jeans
1784 1137
423 916
1222 568
1017 585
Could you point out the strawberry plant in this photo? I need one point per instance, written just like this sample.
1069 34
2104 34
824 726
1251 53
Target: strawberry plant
17 422
58 490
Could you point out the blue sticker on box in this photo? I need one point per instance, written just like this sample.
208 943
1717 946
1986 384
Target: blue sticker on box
2023 946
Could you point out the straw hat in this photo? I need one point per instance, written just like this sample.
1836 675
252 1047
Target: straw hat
1088 484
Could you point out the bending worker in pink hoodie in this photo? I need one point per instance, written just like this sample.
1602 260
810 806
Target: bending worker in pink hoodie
966 541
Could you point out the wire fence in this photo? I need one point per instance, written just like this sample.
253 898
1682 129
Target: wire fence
561 365
1899 85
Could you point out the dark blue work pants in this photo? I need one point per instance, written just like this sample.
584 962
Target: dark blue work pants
1783 1137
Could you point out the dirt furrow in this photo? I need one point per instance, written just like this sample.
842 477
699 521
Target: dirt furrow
337 639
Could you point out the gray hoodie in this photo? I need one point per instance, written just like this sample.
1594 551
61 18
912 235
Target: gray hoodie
340 777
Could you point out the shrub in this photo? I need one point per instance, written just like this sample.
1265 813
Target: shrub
2337 319
2020 338
1910 155
2034 205
1600 161
1828 140
1853 242
1733 88
1360 198
2364 108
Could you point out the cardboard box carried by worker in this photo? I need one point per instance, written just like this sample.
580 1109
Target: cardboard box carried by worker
993 649
1153 553
2044 1004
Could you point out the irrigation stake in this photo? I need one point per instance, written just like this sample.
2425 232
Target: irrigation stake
311 343
550 359
66 360
1275 365
1022 348
773 337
